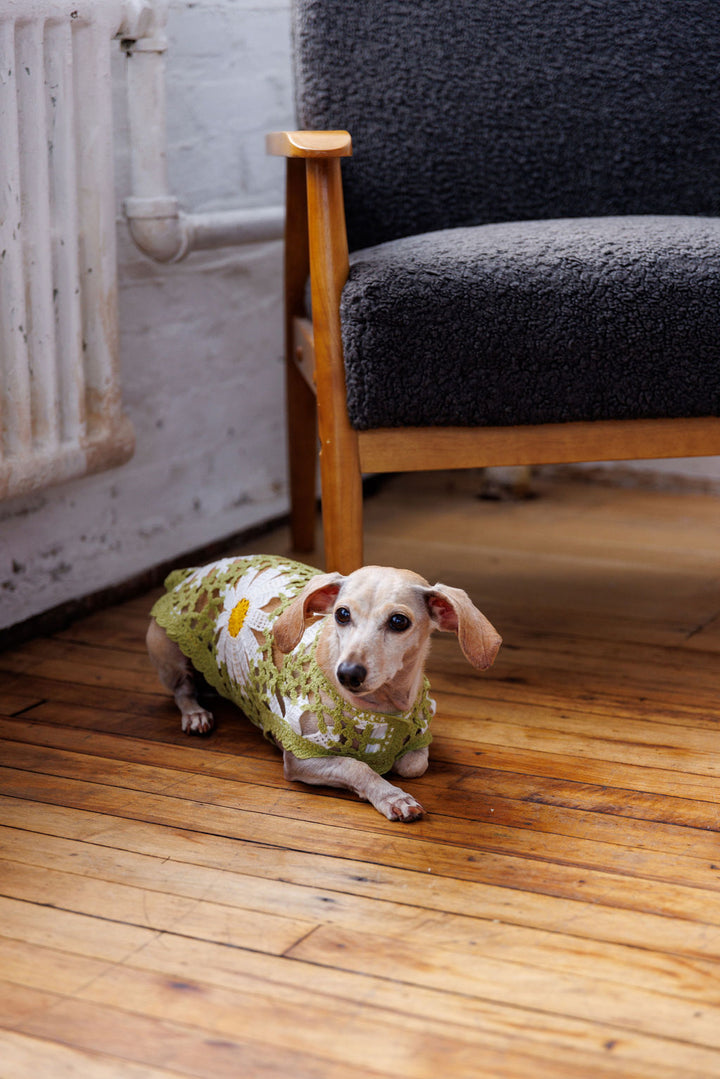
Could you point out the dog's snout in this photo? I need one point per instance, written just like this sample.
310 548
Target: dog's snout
351 675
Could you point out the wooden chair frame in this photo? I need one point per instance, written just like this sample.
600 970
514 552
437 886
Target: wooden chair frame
316 245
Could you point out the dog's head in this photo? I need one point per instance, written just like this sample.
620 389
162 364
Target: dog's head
376 641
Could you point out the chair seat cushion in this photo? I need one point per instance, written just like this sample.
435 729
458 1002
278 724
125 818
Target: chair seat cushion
536 322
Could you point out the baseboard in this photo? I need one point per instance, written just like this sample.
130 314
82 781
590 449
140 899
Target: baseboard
58 618
636 476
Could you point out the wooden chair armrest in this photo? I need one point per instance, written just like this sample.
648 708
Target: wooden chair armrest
316 241
309 143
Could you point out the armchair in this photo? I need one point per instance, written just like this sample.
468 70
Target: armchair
520 264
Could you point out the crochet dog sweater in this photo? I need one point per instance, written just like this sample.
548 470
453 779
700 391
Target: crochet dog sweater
221 616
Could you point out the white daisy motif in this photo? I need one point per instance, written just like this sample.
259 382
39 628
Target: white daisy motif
237 645
198 575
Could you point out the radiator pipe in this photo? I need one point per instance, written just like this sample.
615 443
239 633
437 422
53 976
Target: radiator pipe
159 228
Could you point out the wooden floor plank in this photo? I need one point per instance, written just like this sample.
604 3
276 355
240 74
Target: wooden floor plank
556 864
484 1015
154 908
625 1007
23 1055
636 780
552 833
495 791
173 906
130 701
332 878
67 661
16 703
195 756
430 1022
187 1048
507 869
249 912
274 1015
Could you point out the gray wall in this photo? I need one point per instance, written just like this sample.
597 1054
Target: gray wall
201 341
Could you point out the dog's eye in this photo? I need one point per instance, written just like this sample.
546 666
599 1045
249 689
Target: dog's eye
342 616
398 623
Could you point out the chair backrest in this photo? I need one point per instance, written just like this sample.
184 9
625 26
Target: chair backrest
470 111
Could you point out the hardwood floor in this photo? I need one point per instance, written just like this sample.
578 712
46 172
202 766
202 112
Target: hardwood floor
173 907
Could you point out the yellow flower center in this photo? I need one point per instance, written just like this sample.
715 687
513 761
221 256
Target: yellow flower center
239 613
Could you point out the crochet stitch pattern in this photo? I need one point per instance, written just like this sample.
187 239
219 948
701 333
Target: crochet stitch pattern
221 616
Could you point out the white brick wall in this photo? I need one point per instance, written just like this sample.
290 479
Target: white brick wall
201 342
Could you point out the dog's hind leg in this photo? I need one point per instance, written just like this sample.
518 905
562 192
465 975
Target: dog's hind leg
412 764
177 674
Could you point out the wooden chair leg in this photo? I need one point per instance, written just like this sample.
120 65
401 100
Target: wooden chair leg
342 508
302 458
301 410
341 479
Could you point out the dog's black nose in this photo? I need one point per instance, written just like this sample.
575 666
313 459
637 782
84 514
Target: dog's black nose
351 675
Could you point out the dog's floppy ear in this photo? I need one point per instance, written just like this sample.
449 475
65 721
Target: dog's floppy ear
452 609
317 597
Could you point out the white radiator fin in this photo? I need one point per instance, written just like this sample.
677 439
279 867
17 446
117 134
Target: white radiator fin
60 412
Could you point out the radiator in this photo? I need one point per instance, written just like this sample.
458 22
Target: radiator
60 408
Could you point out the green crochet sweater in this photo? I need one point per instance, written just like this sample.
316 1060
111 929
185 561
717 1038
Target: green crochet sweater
218 614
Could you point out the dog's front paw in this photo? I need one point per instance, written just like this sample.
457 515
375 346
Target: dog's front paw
197 721
397 805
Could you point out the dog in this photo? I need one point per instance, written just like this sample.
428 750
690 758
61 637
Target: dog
330 667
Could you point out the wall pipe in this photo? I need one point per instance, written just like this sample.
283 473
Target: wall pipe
159 228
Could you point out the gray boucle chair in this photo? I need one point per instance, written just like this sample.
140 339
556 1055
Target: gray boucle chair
533 221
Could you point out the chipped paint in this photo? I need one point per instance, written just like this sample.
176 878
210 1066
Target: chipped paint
200 343
59 401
